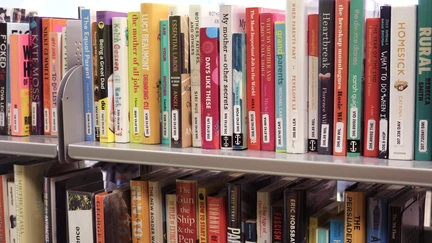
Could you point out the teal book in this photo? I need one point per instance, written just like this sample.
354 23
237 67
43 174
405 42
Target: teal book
239 92
423 114
165 83
281 87
322 234
355 77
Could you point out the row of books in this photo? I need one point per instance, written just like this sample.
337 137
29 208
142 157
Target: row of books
183 205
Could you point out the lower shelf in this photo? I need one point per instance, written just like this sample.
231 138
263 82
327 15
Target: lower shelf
418 173
36 146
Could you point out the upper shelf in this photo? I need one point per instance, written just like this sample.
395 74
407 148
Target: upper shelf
417 173
36 146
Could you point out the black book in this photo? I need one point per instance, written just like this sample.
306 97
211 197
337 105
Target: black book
3 72
326 76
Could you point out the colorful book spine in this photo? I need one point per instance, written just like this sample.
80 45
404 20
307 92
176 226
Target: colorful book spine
140 221
209 53
87 17
3 78
151 14
336 231
120 76
232 21
216 221
202 16
96 93
165 83
240 134
186 192
20 63
372 86
377 219
326 76
36 91
341 77
385 13
55 77
105 67
313 43
135 83
277 212
171 207
297 76
267 20
402 71
355 76
100 217
423 142
281 88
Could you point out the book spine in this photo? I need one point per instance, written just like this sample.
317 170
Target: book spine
337 231
47 211
17 201
55 77
195 66
105 67
297 85
216 221
63 54
3 206
96 90
150 17
402 71
165 84
240 134
264 217
100 218
20 88
209 54
385 13
253 76
250 231
202 216
46 29
313 226
171 207
293 215
341 77
377 216
134 71
12 204
121 82
186 192
395 227
234 225
313 43
80 220
326 76
355 217
175 80
277 224
36 89
186 111
355 77
281 88
423 143
3 78
267 21
154 215
140 212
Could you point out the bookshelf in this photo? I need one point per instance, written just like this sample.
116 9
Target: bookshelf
35 146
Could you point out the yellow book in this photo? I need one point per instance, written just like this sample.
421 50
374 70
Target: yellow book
151 14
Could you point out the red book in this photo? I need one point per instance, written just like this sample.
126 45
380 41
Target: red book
186 191
372 87
209 64
267 52
216 219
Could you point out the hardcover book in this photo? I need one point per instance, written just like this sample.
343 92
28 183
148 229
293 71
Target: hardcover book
217 218
3 78
313 44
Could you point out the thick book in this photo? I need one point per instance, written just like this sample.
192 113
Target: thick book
105 68
202 16
403 76
217 218
232 20
165 92
423 114
280 88
4 207
383 134
326 76
240 134
210 119
313 46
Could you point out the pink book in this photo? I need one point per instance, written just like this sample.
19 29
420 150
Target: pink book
55 75
209 61
20 70
267 21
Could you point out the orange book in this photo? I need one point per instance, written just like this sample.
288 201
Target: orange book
20 84
100 217
140 211
372 88
341 74
48 25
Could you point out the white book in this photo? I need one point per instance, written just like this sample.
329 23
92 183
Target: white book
12 218
180 9
297 76
55 69
64 53
403 75
5 179
200 16
232 20
121 79
171 214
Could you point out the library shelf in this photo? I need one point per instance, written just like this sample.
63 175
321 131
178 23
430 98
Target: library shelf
416 173
35 146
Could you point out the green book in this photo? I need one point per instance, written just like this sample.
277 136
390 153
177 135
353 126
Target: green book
423 114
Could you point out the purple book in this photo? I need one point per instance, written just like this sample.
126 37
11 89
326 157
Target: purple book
106 16
36 92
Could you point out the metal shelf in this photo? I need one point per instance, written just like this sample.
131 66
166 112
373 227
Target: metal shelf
417 173
36 146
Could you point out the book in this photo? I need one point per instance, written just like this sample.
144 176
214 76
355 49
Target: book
217 217
55 73
3 78
313 46
171 208
209 64
165 91
5 178
281 88
277 223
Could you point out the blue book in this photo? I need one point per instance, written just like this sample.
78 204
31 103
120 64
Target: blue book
281 86
337 231
239 92
87 17
250 231
165 83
